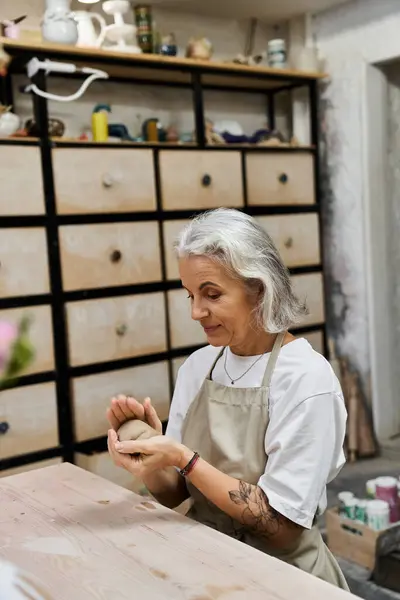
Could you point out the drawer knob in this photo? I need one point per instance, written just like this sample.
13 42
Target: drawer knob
115 256
289 242
108 180
4 427
283 178
206 180
121 330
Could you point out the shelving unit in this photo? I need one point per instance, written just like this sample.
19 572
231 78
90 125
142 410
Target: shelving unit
85 246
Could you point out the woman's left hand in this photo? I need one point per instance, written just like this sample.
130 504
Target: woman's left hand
156 453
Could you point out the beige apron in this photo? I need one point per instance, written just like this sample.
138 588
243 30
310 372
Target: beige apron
227 426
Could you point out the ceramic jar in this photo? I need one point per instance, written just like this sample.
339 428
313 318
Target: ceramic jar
9 124
199 48
58 24
277 53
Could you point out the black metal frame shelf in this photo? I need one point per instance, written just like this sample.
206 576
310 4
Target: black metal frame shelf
133 217
143 70
191 146
116 291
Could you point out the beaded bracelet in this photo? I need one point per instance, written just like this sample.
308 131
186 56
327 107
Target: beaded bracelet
189 467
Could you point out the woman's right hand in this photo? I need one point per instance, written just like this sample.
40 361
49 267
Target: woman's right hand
126 408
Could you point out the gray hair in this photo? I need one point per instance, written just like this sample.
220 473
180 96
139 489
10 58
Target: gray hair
241 245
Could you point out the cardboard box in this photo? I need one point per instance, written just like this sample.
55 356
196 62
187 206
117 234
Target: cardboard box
351 540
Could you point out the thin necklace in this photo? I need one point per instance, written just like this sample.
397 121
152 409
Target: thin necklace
233 381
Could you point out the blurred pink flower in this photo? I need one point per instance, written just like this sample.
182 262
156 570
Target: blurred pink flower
8 335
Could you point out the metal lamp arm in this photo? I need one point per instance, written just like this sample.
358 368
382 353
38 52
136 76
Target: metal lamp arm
49 66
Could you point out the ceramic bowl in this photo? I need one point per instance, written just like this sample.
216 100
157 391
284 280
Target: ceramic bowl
9 124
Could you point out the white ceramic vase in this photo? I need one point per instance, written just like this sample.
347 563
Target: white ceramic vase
58 24
9 124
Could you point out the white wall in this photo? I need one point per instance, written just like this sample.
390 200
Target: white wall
349 37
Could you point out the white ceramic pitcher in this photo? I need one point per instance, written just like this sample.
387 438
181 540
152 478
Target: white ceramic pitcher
87 36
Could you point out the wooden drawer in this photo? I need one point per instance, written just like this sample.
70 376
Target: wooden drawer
97 180
296 237
31 467
310 288
112 254
171 232
101 464
316 339
115 328
200 179
31 414
41 335
24 269
92 395
282 178
21 181
184 331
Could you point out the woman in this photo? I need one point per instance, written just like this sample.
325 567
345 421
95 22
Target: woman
257 420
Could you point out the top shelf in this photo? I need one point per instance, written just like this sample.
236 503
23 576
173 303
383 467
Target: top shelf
164 69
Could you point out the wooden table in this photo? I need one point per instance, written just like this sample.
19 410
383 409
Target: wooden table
86 538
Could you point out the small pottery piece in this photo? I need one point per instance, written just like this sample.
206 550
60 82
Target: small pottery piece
56 128
168 45
227 126
251 60
199 48
58 24
9 123
187 137
11 29
87 35
172 134
277 53
212 137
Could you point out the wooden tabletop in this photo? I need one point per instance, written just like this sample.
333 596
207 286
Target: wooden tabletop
86 538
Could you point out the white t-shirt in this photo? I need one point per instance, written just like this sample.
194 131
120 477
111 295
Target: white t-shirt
305 435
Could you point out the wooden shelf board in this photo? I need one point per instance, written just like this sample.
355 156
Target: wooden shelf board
155 68
59 142
92 144
260 147
19 140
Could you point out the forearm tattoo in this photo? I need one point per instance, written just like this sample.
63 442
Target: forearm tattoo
257 514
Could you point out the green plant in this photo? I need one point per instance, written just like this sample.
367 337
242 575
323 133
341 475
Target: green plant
16 350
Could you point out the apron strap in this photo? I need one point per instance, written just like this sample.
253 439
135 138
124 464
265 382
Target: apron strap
271 362
220 353
273 358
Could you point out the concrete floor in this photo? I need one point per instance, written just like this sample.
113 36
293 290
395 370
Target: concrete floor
353 478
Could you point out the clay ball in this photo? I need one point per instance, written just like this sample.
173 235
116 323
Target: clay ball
135 430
